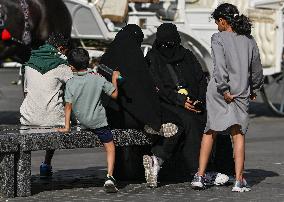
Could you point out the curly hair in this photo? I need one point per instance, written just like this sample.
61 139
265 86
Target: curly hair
240 24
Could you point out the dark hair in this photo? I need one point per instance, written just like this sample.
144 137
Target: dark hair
78 58
58 39
239 23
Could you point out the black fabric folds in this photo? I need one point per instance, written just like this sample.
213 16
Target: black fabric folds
137 96
168 53
187 69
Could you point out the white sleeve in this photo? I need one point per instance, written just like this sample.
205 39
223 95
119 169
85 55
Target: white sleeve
65 73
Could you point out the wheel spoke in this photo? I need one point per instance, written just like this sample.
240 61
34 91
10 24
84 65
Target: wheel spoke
282 102
273 93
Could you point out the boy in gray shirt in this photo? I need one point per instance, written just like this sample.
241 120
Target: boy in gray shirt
83 97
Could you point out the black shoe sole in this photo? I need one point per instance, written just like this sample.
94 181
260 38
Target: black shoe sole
198 188
110 188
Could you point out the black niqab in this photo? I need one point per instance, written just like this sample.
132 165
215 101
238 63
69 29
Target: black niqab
167 43
137 93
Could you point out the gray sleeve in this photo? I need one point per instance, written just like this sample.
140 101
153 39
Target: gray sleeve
108 87
256 68
220 71
68 95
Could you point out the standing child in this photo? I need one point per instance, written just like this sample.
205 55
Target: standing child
237 73
83 97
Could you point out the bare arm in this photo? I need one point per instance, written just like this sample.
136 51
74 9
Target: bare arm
115 76
68 109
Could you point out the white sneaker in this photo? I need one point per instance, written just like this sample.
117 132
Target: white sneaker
221 179
241 186
214 178
152 169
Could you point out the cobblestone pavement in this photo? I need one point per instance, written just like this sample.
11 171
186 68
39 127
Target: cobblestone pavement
79 174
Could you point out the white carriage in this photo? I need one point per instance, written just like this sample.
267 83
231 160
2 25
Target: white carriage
192 18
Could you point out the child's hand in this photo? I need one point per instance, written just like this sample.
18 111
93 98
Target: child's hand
252 96
115 75
63 130
228 97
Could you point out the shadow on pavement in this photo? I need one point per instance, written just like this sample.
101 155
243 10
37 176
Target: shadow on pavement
257 109
256 176
9 117
74 178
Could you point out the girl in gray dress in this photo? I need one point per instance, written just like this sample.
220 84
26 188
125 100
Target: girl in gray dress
237 73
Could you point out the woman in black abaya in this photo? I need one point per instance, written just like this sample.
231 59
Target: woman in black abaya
172 67
137 104
180 81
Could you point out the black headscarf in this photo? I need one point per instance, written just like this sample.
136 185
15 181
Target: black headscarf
137 93
185 65
167 43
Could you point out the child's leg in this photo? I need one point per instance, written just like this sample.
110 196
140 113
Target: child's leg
239 151
48 156
110 152
205 151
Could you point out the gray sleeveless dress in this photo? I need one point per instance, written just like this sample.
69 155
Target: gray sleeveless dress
233 55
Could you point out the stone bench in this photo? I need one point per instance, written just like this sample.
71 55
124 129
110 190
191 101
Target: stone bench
17 143
8 150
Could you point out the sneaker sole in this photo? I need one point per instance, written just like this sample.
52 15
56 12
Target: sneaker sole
150 179
197 187
110 188
243 189
45 177
169 130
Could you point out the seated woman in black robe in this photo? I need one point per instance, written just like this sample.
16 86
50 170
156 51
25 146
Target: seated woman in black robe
181 86
137 105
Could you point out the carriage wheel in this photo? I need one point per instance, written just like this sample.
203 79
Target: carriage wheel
273 92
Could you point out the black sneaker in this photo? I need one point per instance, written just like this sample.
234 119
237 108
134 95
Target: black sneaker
45 171
110 185
198 182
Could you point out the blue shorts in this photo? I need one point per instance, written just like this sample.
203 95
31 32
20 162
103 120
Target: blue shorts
104 134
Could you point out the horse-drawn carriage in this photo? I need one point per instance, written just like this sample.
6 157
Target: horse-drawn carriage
101 19
192 18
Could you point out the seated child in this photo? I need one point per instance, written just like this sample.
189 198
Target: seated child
83 97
